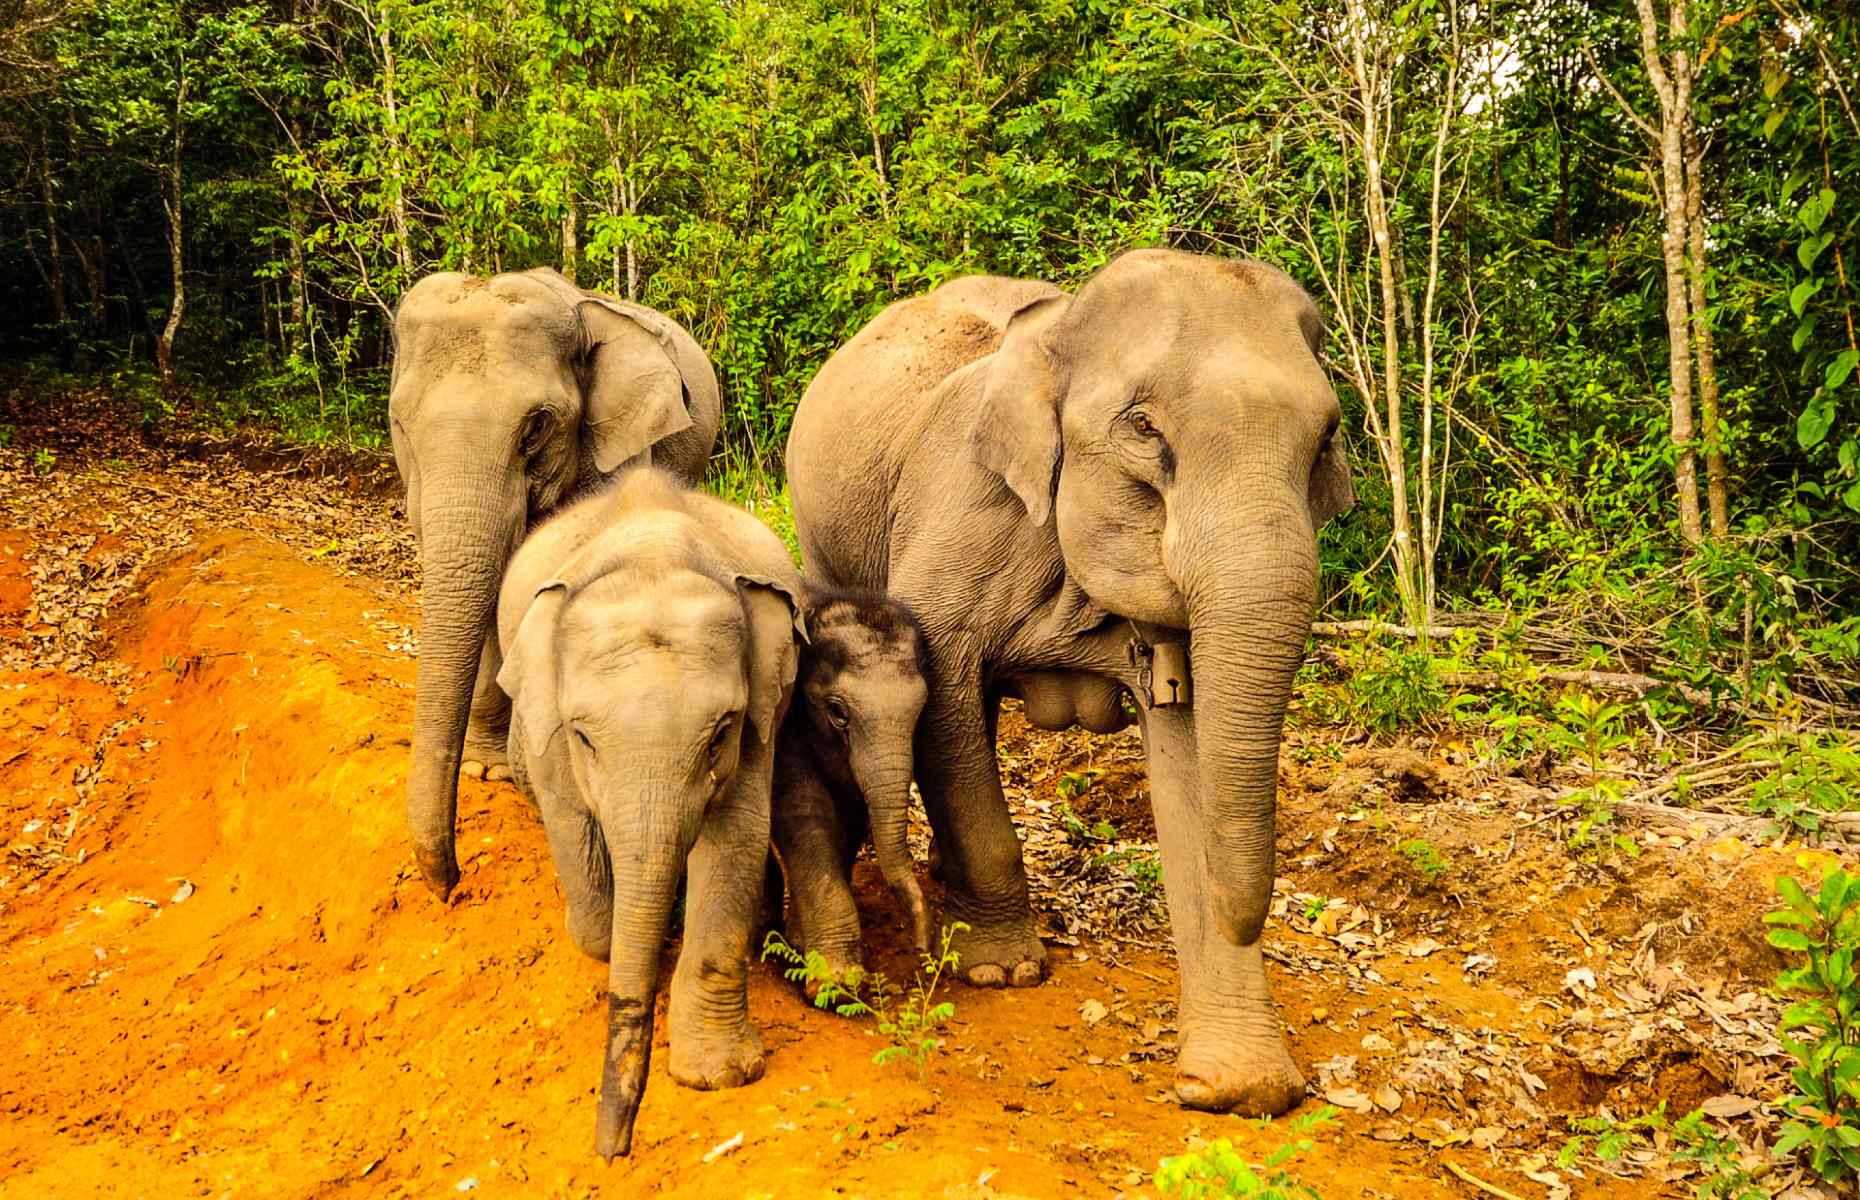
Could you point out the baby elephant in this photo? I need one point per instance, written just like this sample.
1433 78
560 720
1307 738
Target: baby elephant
843 765
650 638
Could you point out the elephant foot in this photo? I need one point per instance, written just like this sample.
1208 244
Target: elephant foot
1253 1077
1004 954
843 968
708 1061
485 759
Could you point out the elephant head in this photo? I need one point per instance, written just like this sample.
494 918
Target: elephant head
862 687
508 393
654 668
1173 422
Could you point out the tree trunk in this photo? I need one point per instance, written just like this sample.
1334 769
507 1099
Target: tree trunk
1675 92
397 182
571 244
1370 87
177 308
56 282
300 289
1718 503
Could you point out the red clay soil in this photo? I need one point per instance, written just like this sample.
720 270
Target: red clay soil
229 982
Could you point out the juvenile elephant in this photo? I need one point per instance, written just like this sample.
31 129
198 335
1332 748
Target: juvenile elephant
1066 490
510 395
649 640
843 767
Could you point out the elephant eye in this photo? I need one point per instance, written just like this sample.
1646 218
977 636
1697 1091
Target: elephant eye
583 739
718 737
1140 421
836 713
536 427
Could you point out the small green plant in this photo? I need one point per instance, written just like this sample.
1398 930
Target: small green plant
1717 1157
1074 825
43 460
1595 836
1426 859
1074 784
1814 775
1821 1028
1143 868
1315 906
6 434
1394 689
1592 727
1217 1171
913 1019
1607 1139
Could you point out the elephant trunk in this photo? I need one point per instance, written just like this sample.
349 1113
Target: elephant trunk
647 864
467 530
1249 578
884 776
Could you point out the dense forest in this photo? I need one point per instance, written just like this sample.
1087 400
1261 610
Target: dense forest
1589 268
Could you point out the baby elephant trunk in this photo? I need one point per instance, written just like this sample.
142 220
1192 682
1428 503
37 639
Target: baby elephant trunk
643 897
885 778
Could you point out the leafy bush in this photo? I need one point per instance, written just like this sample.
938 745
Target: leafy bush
1820 1029
1815 774
1217 1171
1426 859
1607 1138
1725 1177
911 1019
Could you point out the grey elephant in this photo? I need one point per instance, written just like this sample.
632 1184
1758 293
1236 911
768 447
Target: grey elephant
510 395
843 768
1082 498
650 640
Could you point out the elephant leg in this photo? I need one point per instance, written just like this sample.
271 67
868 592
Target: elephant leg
576 843
979 852
1232 1054
823 915
487 734
713 1044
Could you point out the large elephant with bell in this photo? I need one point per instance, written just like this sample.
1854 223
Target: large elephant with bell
1086 498
511 395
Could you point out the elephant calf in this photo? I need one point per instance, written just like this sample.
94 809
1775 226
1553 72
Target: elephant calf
843 767
650 641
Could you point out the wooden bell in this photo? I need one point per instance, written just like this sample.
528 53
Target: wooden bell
1169 673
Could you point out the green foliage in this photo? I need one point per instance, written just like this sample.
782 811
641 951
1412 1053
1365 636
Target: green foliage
1387 688
1821 1028
1592 727
1718 1158
1426 859
1814 773
1217 1171
911 1018
750 485
1606 1138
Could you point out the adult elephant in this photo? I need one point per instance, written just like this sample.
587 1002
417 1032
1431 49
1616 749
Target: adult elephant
1078 495
510 395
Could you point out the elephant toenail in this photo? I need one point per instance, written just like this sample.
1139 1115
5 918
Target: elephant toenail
987 975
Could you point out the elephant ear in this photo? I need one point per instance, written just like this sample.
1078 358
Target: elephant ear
777 630
1016 433
528 675
1331 490
636 383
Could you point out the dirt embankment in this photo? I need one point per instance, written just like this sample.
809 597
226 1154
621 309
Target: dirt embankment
222 978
